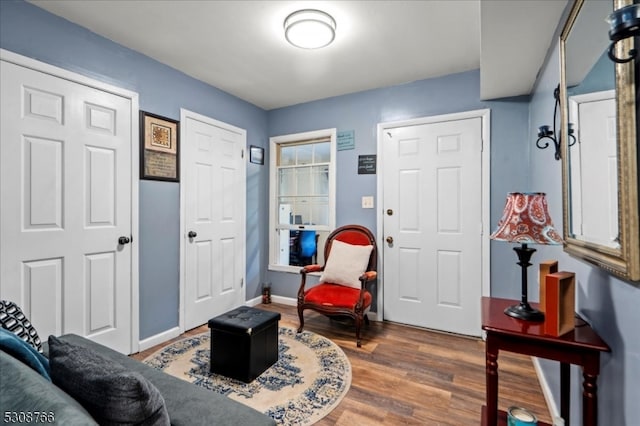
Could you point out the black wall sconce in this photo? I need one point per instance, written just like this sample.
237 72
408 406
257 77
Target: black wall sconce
545 132
623 23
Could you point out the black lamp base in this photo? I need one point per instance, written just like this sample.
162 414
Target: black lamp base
524 311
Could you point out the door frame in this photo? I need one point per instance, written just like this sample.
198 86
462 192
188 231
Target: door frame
23 61
184 115
485 116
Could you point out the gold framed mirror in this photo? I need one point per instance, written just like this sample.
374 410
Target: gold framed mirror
600 171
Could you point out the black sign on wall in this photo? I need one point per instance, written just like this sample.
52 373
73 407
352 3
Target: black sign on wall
367 164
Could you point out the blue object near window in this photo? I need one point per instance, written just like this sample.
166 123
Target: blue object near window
308 245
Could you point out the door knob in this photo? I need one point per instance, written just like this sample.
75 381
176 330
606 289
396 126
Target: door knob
389 212
390 240
192 234
123 240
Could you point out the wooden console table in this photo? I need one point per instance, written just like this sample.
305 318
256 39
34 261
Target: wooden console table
581 346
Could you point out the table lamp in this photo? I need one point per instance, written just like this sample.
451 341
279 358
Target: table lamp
526 220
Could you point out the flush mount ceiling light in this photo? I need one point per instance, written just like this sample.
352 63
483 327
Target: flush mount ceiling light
309 29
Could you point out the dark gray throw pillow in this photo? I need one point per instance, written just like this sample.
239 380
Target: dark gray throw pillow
112 394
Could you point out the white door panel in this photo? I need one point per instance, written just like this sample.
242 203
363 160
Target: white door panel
66 199
594 116
432 185
214 191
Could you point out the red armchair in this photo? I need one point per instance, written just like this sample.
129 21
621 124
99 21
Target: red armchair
342 290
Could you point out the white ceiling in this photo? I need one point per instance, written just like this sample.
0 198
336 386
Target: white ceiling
239 46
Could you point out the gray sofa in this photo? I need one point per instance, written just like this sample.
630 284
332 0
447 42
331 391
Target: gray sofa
24 392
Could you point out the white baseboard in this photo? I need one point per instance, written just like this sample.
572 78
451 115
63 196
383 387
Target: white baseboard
253 302
150 342
289 301
546 390
292 301
373 316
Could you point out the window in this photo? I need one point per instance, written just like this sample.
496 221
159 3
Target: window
302 198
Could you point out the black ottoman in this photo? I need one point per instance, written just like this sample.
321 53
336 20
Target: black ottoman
244 342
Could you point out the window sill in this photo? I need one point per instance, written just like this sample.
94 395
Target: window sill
289 269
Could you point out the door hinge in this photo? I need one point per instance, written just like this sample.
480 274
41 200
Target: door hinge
241 282
242 153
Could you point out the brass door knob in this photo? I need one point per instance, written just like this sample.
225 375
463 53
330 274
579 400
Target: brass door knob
390 240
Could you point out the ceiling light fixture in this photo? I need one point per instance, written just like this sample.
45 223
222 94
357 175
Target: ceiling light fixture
309 29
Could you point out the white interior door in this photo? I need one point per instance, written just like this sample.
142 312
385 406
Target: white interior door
66 200
214 198
592 213
432 186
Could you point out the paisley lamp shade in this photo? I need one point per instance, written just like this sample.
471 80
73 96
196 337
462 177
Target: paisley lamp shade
526 220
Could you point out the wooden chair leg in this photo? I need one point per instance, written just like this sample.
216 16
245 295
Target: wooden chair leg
358 324
301 316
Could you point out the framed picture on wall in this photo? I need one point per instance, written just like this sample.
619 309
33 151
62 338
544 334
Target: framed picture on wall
256 155
159 148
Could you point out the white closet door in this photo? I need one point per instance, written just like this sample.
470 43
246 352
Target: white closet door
213 188
66 200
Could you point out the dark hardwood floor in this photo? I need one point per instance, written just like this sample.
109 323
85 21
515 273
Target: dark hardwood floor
409 376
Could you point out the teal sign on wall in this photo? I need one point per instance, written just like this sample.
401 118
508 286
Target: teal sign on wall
346 140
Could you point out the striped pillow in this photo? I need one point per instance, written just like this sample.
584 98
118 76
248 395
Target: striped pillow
12 319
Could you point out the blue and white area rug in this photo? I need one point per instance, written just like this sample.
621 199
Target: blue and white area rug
308 381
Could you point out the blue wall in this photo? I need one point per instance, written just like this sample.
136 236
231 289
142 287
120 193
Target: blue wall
601 77
363 111
33 32
610 305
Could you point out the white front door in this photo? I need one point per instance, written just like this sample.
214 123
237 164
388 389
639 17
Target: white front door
66 200
213 191
432 186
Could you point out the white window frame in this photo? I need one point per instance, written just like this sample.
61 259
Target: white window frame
274 144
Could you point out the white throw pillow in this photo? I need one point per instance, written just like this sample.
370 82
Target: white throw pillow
346 263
